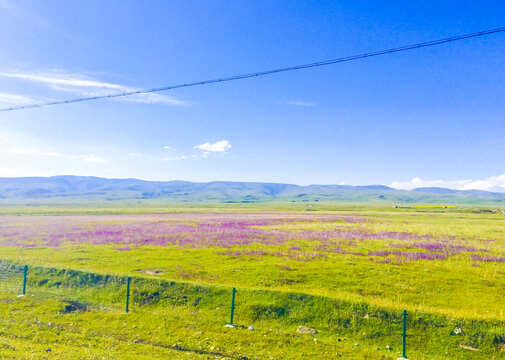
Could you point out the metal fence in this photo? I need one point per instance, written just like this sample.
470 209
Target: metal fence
390 328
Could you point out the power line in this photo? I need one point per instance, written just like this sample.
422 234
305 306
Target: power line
266 72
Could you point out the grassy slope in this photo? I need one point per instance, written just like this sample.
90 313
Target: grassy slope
177 320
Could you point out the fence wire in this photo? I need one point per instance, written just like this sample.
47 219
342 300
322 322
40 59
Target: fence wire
436 335
11 278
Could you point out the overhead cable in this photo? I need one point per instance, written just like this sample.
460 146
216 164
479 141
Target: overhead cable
263 73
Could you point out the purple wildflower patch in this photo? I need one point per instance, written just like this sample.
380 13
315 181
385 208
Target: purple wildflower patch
236 235
488 258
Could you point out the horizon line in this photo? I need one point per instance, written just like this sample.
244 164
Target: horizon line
250 182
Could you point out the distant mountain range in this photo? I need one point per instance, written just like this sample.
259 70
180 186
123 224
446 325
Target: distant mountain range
87 189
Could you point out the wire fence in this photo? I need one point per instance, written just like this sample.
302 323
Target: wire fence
10 278
390 329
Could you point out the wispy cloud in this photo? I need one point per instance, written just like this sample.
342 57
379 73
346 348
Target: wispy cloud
27 151
220 146
34 151
301 103
493 183
173 158
63 79
14 99
93 158
83 85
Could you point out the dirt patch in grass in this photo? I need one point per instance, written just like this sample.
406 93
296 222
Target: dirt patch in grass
154 272
73 306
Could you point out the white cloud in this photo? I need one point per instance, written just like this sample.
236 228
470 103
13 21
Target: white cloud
135 154
152 98
50 153
13 99
220 146
63 79
493 183
182 157
301 103
86 86
93 158
169 148
28 151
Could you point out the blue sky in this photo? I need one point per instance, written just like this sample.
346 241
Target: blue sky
428 117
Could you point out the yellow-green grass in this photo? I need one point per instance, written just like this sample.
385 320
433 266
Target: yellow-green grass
454 286
81 316
31 325
457 287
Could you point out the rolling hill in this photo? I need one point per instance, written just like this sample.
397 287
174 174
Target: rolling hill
67 189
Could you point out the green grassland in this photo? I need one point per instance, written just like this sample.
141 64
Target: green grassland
177 320
181 295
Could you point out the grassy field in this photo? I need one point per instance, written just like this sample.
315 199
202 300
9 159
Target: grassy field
348 273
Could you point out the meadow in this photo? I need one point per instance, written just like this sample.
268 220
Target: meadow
347 273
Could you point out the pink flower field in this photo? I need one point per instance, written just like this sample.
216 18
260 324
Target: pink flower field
238 235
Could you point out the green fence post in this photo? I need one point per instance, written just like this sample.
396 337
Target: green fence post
24 279
232 305
404 355
128 280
